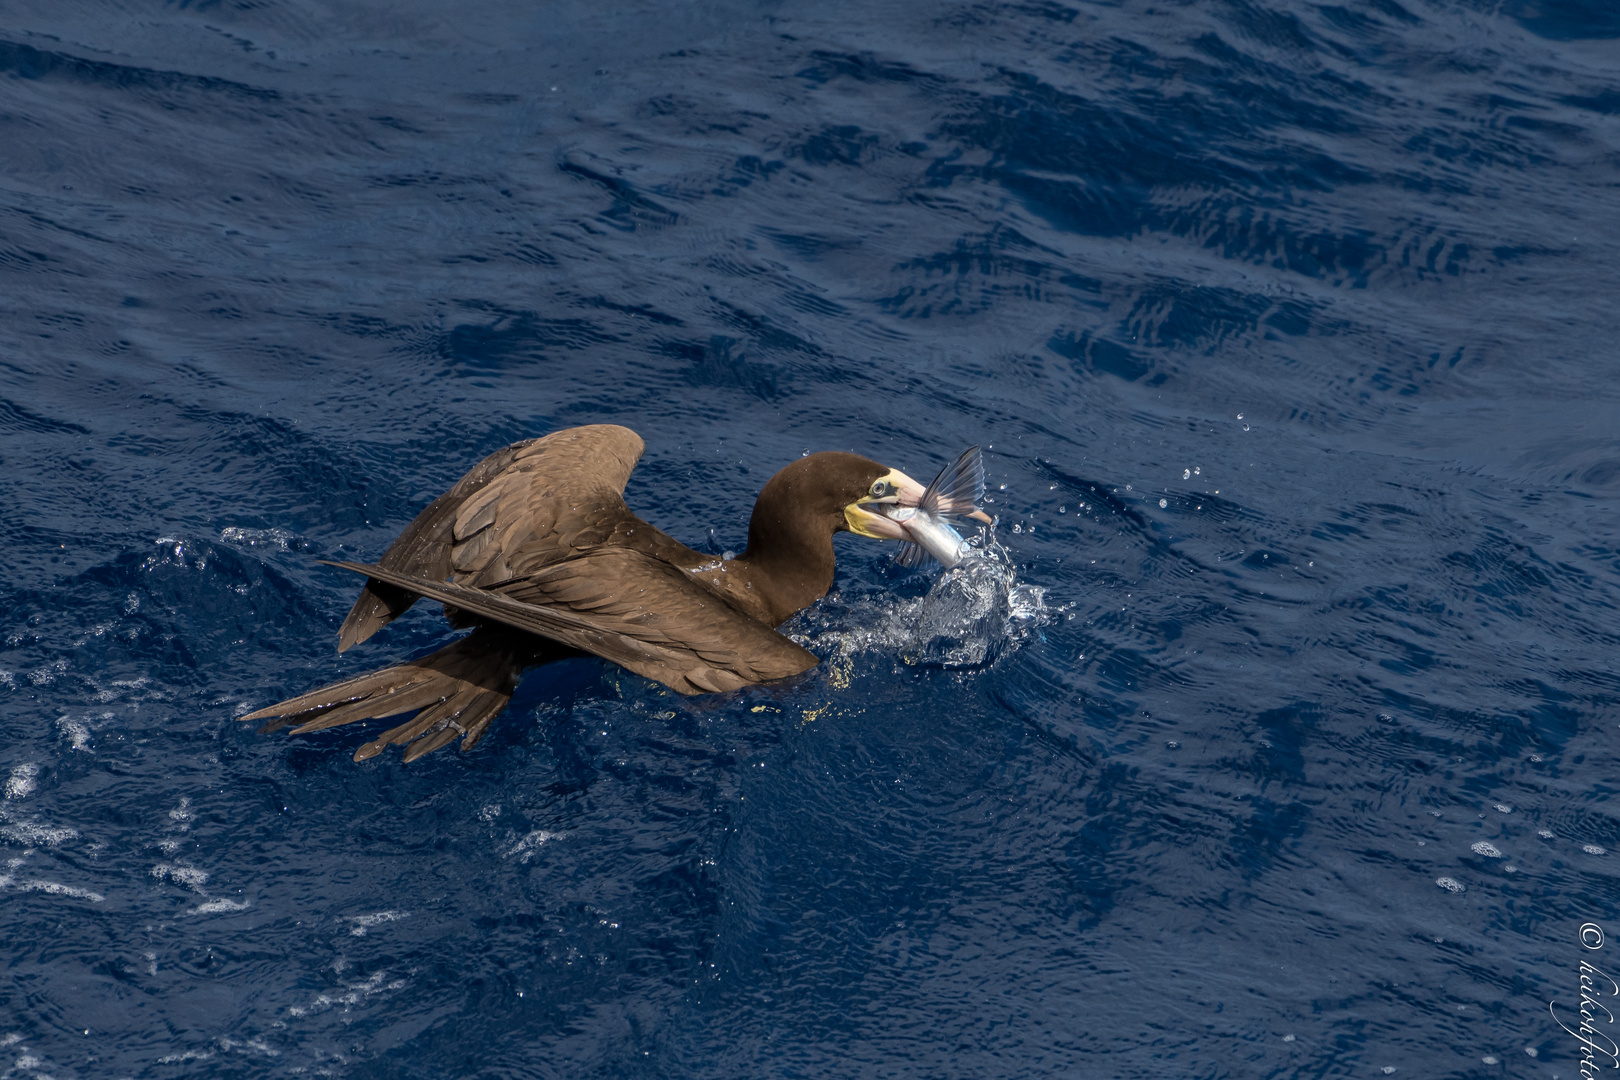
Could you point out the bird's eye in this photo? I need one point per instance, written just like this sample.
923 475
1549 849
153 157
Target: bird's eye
880 488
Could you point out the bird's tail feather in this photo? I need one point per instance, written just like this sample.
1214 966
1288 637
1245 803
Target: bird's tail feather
454 692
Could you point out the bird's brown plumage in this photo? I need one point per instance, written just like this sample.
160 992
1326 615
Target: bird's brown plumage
536 547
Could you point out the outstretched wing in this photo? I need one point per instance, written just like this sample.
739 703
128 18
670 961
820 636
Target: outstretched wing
633 609
523 507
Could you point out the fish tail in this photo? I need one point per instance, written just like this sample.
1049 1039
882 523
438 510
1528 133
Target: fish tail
454 692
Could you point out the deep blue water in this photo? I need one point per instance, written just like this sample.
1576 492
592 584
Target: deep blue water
1291 329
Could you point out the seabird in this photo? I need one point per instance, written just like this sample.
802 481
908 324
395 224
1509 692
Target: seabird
537 551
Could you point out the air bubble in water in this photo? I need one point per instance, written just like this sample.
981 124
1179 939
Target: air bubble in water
1186 474
1450 884
1163 503
1593 849
1486 848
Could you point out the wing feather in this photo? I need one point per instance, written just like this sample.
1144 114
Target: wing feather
665 626
514 495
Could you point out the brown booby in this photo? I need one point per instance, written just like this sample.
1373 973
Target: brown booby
537 551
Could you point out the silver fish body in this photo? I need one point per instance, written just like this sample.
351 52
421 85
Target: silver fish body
954 493
932 533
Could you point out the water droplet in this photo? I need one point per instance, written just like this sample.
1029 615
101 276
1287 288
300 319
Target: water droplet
1485 848
1532 1051
1063 509
1489 1059
1163 503
1450 884
1186 474
1245 427
1171 744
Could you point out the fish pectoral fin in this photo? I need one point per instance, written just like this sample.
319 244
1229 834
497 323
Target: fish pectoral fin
959 486
910 555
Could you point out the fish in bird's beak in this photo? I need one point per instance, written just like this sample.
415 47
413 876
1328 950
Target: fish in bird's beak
891 491
927 524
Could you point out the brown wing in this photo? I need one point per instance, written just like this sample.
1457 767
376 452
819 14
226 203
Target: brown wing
633 609
523 507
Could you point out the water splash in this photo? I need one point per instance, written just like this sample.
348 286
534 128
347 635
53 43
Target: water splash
280 539
972 614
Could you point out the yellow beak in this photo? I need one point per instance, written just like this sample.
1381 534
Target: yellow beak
871 522
863 522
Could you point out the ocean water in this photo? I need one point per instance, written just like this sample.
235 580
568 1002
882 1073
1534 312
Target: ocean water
1277 738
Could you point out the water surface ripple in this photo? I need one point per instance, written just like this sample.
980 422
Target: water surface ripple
1288 328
